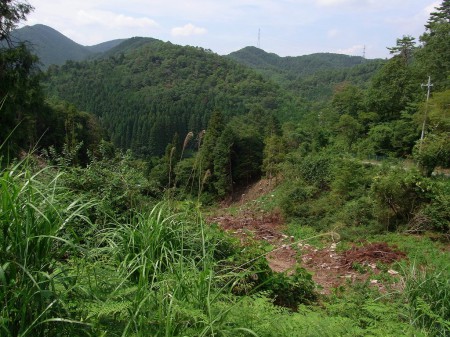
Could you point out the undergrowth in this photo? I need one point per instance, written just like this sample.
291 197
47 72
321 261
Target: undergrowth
71 267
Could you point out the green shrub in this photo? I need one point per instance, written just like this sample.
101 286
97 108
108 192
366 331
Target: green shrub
291 290
316 169
294 202
398 194
351 178
117 185
438 211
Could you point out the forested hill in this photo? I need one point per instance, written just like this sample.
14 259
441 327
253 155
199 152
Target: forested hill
147 90
312 76
52 47
298 65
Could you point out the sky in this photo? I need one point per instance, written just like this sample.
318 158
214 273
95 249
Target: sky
287 27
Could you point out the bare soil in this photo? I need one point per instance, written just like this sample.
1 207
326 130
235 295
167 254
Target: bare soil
330 267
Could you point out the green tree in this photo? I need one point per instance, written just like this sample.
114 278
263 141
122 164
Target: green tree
348 130
274 153
22 95
348 99
20 91
434 56
213 132
404 48
442 15
11 13
434 149
392 89
223 175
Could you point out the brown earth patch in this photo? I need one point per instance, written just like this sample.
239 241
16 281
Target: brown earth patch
330 269
260 225
378 252
333 269
250 193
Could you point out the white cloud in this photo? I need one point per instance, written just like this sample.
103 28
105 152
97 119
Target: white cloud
188 30
411 24
306 26
332 33
432 7
113 20
356 50
341 2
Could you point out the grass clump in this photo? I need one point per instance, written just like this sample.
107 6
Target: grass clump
427 292
37 222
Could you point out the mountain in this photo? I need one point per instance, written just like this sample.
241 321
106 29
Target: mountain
144 91
52 47
104 46
296 66
312 76
127 45
49 45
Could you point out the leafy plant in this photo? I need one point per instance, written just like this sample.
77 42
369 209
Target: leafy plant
37 220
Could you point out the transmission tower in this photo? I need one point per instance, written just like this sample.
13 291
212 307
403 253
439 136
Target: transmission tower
364 52
259 38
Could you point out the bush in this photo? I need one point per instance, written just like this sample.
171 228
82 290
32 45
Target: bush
316 169
118 186
351 178
398 194
438 211
294 201
292 290
433 151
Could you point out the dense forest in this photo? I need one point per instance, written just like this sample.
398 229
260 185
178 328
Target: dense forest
160 190
312 77
146 90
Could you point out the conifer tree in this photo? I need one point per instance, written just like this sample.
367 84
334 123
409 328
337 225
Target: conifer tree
434 56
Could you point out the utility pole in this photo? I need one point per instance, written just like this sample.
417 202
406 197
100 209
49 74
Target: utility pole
428 85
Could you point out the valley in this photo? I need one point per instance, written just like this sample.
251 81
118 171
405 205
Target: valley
154 189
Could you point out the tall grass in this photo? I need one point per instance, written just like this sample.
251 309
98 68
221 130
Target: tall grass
428 297
161 272
168 259
35 219
155 274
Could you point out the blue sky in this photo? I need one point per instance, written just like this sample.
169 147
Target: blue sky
288 27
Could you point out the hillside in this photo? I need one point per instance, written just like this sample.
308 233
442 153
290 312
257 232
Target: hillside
52 47
49 45
282 213
312 76
297 66
104 46
145 91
